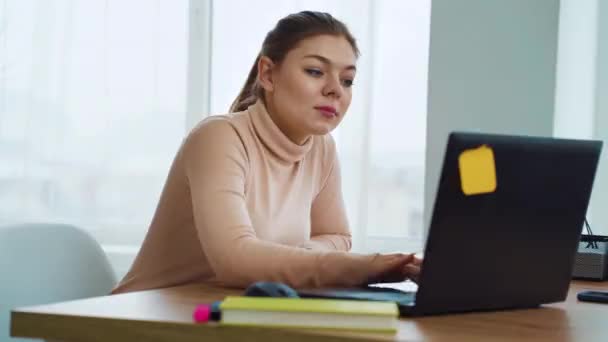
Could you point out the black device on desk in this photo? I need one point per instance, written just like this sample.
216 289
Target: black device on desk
510 247
591 262
593 296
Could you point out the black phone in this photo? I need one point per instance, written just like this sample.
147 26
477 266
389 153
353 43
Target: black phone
593 296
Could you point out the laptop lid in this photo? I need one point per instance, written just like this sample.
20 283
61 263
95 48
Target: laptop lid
512 246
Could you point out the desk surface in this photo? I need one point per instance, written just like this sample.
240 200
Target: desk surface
166 315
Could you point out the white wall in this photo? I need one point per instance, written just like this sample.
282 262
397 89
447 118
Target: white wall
599 200
492 69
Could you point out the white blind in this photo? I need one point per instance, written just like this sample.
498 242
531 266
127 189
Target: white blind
93 99
92 109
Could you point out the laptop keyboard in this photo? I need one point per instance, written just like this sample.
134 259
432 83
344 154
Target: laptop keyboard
367 293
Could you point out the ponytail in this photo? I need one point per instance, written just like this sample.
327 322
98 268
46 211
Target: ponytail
250 92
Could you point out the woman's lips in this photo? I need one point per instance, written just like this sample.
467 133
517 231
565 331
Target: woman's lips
327 111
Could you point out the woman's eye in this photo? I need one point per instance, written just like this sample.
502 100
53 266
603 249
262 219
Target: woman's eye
314 72
347 83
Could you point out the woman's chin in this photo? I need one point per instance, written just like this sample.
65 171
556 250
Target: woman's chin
322 129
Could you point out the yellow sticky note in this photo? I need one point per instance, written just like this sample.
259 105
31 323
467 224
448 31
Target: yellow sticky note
477 171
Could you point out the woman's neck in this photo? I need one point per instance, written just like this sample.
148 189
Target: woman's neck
296 137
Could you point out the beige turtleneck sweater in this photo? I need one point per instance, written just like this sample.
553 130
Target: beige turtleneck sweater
243 203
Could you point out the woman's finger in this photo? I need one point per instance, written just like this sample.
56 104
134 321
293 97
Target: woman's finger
411 270
400 259
388 267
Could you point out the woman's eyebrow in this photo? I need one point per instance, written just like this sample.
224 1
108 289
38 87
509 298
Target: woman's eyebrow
326 60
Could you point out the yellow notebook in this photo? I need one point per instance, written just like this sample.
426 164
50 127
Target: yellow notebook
310 313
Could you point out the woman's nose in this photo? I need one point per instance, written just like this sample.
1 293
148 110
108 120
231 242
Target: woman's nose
333 87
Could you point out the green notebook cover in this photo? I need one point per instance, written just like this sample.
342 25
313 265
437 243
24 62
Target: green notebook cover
311 305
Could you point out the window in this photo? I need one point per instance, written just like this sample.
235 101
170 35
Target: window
581 87
93 106
92 110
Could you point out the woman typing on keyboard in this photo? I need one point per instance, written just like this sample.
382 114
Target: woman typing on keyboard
255 195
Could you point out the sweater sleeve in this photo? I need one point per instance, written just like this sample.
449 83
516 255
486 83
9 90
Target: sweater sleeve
329 223
216 165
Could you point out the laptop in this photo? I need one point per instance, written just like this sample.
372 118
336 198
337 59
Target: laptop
504 235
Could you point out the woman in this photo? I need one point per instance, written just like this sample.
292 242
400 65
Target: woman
255 195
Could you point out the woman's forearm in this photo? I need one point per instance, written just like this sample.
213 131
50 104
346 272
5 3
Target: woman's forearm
329 242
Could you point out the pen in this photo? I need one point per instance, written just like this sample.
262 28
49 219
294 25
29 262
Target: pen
204 313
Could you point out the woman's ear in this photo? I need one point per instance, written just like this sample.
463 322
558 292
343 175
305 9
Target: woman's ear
265 68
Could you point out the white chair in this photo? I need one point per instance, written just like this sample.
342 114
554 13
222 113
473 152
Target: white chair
46 263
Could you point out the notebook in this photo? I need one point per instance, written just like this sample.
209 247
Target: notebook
310 313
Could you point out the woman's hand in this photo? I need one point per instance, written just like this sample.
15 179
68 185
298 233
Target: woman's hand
393 268
413 268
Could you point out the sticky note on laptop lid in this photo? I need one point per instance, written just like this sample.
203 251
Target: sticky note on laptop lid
477 171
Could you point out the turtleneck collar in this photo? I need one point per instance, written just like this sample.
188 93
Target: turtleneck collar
272 136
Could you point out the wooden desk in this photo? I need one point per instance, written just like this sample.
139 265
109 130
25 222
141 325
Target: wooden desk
165 315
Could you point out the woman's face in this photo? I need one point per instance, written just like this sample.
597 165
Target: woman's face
309 92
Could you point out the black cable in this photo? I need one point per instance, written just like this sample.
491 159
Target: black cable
591 243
